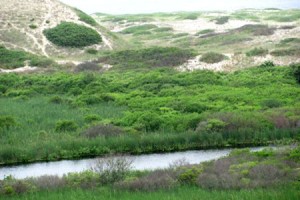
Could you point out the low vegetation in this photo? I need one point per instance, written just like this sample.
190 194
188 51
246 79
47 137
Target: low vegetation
85 18
212 57
148 58
257 52
78 35
66 115
10 59
222 20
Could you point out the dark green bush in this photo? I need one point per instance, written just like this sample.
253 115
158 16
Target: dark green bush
267 64
92 51
212 57
66 126
271 103
257 52
77 35
296 71
32 26
222 20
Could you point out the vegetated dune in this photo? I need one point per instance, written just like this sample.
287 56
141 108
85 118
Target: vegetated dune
22 23
233 34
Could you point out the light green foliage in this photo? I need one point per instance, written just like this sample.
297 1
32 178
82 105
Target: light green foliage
63 126
78 35
85 18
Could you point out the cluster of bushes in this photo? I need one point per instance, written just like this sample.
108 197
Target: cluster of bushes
242 169
148 58
14 58
77 35
85 18
257 52
161 110
212 57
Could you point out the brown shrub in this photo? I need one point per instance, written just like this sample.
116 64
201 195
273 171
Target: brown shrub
103 130
48 182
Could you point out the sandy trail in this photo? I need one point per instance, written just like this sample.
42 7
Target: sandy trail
19 70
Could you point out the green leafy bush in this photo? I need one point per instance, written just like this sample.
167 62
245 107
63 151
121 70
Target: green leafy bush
77 35
66 126
7 122
212 57
92 51
32 26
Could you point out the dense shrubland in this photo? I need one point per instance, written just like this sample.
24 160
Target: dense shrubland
77 35
65 115
85 18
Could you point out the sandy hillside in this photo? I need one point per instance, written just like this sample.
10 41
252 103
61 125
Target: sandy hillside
17 17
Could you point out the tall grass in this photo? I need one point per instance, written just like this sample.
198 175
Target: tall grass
284 193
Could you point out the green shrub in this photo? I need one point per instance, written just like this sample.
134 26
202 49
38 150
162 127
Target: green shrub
222 20
189 175
296 71
86 179
32 26
56 100
267 64
212 57
92 51
92 118
77 35
257 52
271 103
66 126
7 122
85 17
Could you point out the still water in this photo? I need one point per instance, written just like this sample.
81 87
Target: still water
139 162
